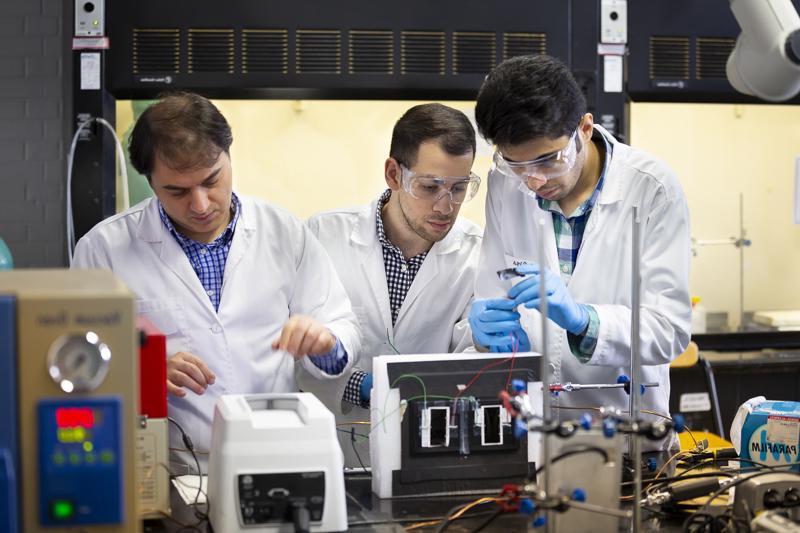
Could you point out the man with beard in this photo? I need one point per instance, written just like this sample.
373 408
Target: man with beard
562 182
407 262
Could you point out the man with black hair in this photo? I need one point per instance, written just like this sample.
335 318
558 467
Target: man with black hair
407 261
243 291
562 182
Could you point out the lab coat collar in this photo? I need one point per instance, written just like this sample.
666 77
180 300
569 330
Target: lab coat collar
365 233
612 186
151 228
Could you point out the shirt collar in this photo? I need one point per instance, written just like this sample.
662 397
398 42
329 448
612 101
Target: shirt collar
379 220
586 206
224 238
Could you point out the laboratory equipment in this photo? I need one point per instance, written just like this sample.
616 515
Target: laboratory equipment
69 394
6 262
768 432
152 434
777 490
438 426
766 60
275 464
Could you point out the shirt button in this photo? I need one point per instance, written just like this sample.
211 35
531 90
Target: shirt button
210 293
203 251
552 366
216 328
403 267
565 269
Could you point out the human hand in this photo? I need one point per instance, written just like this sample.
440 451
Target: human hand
302 335
495 325
561 307
366 388
189 371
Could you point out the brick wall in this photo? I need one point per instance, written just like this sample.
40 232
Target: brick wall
34 76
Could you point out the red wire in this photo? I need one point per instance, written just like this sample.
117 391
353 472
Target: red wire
490 365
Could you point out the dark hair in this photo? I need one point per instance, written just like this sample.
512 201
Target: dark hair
528 97
449 127
184 129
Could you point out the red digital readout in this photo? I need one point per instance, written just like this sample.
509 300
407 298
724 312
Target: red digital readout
70 417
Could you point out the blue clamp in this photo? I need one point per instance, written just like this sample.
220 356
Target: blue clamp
586 421
627 381
526 506
539 521
680 423
520 429
609 428
519 385
578 495
652 464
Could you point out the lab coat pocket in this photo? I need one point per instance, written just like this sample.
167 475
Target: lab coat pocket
168 316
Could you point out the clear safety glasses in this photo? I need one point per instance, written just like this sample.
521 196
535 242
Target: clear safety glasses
433 188
543 168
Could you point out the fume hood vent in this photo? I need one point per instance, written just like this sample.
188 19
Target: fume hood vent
712 56
669 58
371 52
210 50
265 51
422 52
318 51
523 44
156 51
474 52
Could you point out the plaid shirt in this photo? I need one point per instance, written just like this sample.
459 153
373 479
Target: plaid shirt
568 232
208 261
400 275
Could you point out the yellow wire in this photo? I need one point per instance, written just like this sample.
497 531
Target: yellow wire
455 515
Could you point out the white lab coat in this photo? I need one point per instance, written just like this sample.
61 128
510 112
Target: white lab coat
602 275
432 318
275 268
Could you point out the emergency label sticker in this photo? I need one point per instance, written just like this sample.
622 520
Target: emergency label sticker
695 402
783 430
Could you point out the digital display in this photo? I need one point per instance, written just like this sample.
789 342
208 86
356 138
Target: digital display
72 417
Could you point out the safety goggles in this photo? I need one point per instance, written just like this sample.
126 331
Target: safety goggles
542 168
433 188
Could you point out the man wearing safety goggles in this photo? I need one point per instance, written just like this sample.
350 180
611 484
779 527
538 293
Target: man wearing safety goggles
562 183
407 261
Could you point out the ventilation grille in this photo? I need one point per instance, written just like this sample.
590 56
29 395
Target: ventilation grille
371 52
712 56
319 51
669 58
524 44
210 50
422 52
473 52
156 51
265 51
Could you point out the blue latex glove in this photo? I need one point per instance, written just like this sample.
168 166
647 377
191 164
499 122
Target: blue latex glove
366 387
561 308
493 321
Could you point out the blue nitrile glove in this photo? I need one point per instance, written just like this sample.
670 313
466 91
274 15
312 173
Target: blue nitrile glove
493 321
366 387
561 308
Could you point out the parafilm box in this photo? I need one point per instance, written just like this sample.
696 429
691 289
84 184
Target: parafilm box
767 432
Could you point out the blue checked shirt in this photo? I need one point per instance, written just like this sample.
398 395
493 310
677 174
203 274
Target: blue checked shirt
568 232
208 261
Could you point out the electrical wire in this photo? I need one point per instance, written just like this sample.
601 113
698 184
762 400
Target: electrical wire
481 371
202 516
575 451
355 451
70 164
391 344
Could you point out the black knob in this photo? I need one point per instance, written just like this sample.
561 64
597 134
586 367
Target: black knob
791 498
614 15
793 47
771 499
88 7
